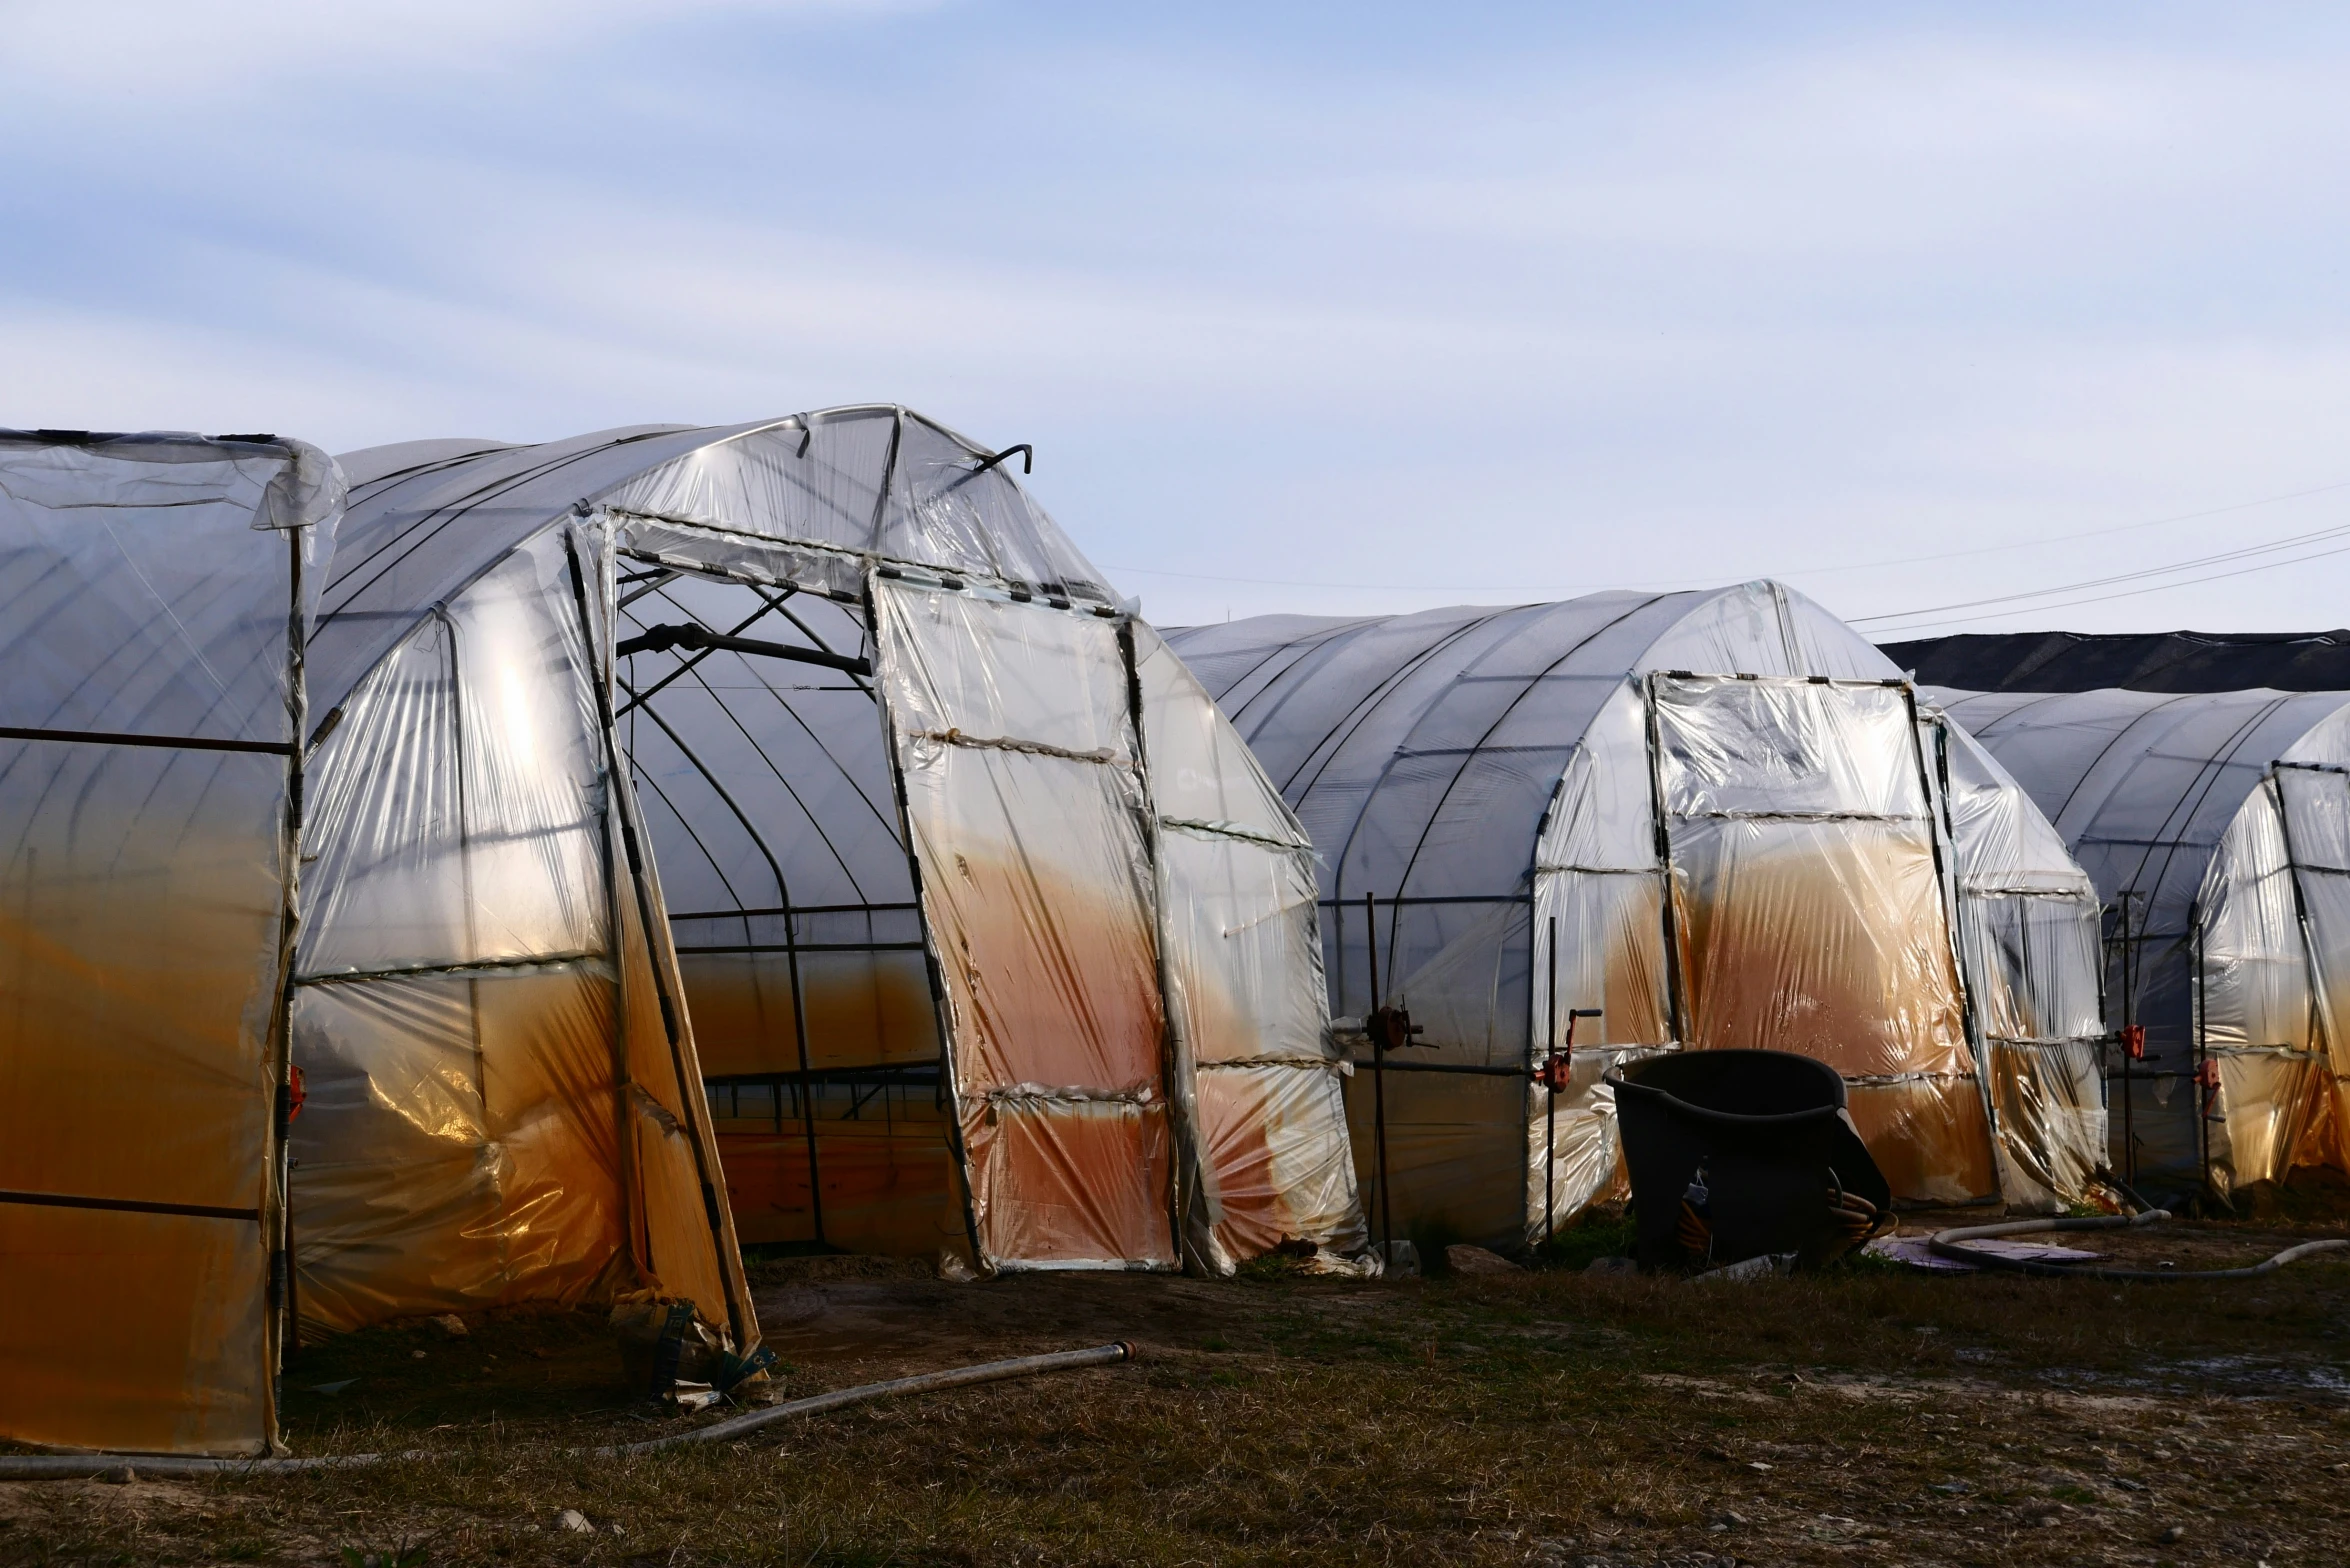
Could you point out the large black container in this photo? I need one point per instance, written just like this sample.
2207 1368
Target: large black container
1771 1133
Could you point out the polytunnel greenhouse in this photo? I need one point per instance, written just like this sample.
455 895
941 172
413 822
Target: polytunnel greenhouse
779 827
153 592
1503 801
2217 830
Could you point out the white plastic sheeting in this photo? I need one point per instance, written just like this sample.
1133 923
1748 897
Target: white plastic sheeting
155 589
1485 777
2213 826
881 779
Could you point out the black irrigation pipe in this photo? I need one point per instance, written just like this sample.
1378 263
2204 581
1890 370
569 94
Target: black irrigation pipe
77 1467
1948 1244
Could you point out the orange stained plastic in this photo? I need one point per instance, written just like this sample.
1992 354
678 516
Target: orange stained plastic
1052 979
888 1189
137 964
1928 1136
1067 1181
1456 1159
1824 939
863 1010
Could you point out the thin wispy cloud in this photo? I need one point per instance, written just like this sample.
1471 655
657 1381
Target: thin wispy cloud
1486 305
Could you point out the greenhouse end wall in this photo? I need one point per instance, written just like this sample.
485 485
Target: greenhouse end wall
155 589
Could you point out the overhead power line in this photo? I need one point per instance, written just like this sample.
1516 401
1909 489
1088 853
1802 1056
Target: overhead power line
2198 564
1522 587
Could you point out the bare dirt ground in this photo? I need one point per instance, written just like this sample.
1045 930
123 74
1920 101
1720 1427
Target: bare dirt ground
1548 1417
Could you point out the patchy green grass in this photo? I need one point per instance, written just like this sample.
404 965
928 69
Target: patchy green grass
1547 1417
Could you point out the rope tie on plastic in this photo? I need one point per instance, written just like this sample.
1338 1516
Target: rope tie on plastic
1034 748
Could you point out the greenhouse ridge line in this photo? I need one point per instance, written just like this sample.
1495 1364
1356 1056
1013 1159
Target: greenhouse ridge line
1800 571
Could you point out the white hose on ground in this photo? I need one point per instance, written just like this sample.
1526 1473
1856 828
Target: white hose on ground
76 1467
1950 1244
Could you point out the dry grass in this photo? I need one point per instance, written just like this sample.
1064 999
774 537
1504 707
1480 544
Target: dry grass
1871 1417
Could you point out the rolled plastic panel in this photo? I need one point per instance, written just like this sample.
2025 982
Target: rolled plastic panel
1013 735
153 590
1811 913
1243 962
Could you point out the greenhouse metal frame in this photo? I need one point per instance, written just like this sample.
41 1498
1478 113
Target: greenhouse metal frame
980 819
1485 778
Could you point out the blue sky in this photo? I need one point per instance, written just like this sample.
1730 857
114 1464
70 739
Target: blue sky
1334 308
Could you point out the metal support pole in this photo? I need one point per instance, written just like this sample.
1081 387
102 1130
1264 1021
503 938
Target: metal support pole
1379 1083
2202 1050
1550 1145
2129 1018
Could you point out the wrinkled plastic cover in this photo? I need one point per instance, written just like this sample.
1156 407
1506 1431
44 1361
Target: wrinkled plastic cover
497 1112
1243 963
1014 736
845 486
1811 913
152 587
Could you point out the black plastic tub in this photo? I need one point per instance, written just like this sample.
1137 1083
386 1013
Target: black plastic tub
1770 1133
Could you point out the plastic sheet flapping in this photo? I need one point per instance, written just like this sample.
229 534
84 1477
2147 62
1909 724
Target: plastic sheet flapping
152 587
1243 965
496 1113
1015 741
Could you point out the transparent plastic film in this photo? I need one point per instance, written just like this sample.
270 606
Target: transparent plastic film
152 588
149 581
1574 1147
1455 1160
1243 962
688 1251
497 1111
2316 802
1811 911
1014 741
883 1154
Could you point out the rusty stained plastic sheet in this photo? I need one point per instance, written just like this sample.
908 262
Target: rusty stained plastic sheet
1811 913
153 587
1243 961
496 1111
1015 739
